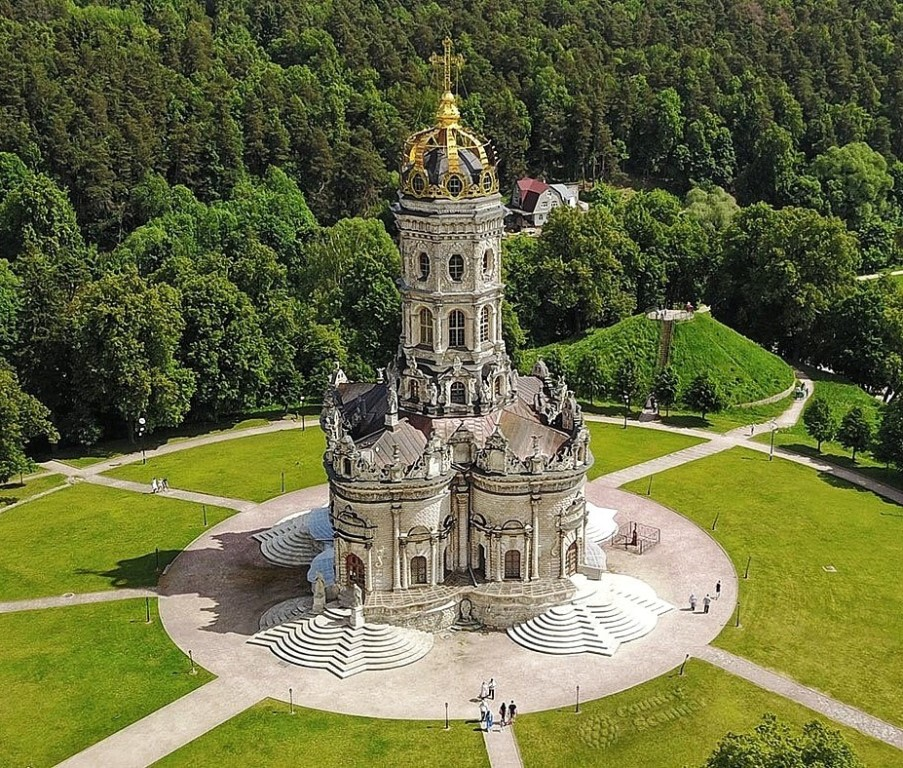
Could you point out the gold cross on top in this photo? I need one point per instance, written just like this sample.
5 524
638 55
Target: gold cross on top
446 62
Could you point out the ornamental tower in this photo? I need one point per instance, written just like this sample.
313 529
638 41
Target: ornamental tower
450 220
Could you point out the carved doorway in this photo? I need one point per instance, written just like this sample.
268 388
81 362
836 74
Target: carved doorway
354 568
570 559
418 570
512 564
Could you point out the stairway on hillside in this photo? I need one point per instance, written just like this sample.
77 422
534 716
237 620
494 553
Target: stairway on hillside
664 344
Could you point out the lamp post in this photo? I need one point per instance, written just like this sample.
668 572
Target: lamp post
301 406
774 428
626 408
142 428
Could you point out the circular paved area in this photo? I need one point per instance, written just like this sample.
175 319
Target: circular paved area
215 591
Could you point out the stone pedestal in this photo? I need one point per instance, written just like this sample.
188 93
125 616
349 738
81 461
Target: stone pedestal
356 618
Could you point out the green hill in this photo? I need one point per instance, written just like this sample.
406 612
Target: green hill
744 371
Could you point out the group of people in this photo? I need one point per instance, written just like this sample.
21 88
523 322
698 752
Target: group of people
707 600
159 485
507 712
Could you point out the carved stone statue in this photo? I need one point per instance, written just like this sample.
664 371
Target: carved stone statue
357 595
393 398
541 370
319 594
432 392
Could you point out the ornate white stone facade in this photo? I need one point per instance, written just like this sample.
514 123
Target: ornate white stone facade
452 477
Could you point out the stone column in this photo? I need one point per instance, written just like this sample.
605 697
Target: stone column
404 563
499 560
561 550
434 556
440 342
368 579
527 559
396 532
460 500
535 499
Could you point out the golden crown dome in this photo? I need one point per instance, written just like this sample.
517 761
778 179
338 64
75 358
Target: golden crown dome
448 160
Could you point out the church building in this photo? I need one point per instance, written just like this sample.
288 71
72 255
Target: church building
456 486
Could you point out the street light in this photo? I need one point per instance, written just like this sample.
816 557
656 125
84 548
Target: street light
774 428
626 408
142 428
301 406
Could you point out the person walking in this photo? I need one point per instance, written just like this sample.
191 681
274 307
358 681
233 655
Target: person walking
503 711
718 589
484 710
692 603
706 601
154 485
512 712
489 721
492 688
484 690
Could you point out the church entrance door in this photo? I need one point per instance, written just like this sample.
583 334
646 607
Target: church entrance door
354 568
570 559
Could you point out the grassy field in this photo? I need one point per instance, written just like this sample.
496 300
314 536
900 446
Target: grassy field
245 468
267 734
615 448
72 676
794 523
841 397
88 538
744 371
13 492
668 722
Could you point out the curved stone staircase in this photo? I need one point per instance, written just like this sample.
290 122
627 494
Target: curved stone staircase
327 641
600 523
290 542
287 610
599 618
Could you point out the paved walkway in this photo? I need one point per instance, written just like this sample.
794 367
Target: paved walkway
164 731
501 746
62 601
671 460
239 505
789 689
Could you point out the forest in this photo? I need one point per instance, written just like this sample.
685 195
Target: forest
194 196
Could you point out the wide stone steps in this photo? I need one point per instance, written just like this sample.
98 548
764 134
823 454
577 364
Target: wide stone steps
287 610
600 617
600 523
289 542
328 642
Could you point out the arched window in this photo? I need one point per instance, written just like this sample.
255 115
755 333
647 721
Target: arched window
418 570
424 262
456 328
458 393
456 267
512 564
487 262
346 467
426 327
485 323
414 390
498 385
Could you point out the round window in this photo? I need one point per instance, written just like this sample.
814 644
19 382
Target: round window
487 182
418 184
454 185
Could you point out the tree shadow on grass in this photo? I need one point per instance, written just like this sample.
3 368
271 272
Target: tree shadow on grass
686 421
136 572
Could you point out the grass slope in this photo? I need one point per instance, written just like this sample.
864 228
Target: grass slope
245 468
88 538
744 371
14 492
266 734
73 676
615 448
841 396
839 632
668 722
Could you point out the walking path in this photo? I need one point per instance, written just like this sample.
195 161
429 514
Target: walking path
211 607
879 275
239 505
62 601
789 689
501 746
164 731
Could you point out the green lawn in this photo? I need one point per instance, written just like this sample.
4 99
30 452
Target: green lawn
841 397
13 492
72 676
268 735
615 448
88 538
840 632
245 468
667 723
